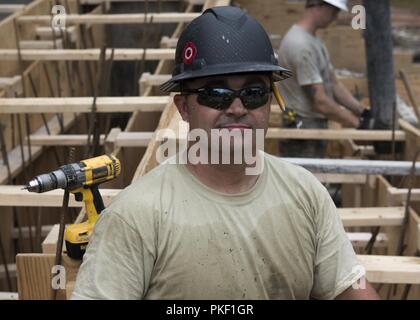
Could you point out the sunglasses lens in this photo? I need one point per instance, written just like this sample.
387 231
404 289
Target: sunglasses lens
217 98
222 98
253 98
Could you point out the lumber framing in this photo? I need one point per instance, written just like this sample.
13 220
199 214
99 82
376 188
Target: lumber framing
82 104
391 269
16 196
87 54
335 134
11 8
350 166
126 18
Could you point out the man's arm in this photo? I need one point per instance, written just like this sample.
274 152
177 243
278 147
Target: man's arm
368 293
328 107
344 97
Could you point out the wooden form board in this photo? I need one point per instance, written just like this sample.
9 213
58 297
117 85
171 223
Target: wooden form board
34 275
16 196
34 272
10 8
86 54
82 104
127 18
391 269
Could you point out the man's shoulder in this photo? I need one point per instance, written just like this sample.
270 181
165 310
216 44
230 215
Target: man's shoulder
292 173
147 189
296 36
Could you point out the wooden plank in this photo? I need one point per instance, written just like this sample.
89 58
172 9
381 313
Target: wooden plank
63 140
335 134
399 195
350 166
82 104
341 178
34 275
49 244
9 296
40 44
391 269
15 196
371 217
87 54
359 240
10 8
46 33
125 18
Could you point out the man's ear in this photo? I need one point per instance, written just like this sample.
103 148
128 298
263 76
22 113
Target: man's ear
182 106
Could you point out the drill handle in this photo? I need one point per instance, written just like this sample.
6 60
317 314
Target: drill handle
97 199
93 201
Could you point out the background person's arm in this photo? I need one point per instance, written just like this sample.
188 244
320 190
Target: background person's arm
367 293
344 96
323 104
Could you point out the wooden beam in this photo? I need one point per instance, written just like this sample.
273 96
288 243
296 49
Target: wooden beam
9 296
347 166
15 196
125 18
372 217
391 269
399 195
40 44
341 178
63 140
11 8
34 275
361 239
87 54
46 33
335 134
82 104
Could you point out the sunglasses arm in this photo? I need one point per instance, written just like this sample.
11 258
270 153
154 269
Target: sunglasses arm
278 96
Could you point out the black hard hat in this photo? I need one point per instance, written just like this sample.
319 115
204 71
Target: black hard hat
223 40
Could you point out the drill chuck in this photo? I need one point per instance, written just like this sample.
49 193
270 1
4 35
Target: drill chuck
73 176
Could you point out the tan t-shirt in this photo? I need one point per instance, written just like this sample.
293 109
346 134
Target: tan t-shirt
168 236
307 57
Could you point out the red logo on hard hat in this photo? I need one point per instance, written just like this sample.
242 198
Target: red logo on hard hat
189 53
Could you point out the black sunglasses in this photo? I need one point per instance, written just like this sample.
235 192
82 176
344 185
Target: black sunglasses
222 98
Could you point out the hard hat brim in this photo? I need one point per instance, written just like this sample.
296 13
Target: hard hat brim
279 73
338 5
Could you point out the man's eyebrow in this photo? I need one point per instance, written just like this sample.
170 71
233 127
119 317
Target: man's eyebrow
255 80
216 82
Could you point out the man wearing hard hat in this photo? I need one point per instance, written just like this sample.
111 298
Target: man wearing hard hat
314 95
200 230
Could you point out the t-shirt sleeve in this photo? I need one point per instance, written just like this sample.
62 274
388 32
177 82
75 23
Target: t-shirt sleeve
336 265
307 70
117 264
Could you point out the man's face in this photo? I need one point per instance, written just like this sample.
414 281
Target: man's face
236 116
326 15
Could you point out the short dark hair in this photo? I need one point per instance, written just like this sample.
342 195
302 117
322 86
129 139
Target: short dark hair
313 3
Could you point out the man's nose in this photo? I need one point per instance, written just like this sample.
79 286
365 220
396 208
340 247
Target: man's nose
236 108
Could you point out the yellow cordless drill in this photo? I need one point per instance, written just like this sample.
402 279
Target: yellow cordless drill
81 179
